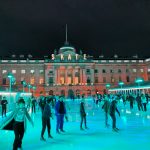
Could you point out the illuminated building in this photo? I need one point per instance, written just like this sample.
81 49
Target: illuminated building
70 73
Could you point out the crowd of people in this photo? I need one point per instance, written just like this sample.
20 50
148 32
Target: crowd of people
16 121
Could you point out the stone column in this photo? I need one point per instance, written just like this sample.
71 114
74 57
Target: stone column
66 76
55 76
58 76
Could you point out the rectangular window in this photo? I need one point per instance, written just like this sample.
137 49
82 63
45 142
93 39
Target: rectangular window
127 70
103 71
32 71
128 79
4 81
96 79
112 79
134 70
111 71
96 71
4 71
13 71
32 81
41 71
88 71
141 70
104 79
119 70
76 80
23 71
51 72
51 80
41 81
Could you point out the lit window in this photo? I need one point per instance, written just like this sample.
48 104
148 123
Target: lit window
134 70
23 71
41 71
41 81
76 80
22 78
148 70
142 70
112 79
4 71
32 71
13 71
32 81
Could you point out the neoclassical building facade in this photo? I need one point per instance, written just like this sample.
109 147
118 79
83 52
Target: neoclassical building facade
70 73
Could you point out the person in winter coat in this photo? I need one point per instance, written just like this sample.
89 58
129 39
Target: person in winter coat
106 107
46 120
42 101
139 102
144 101
17 122
113 109
4 103
60 112
83 113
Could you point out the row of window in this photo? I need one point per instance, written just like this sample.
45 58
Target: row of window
112 71
77 81
23 71
32 81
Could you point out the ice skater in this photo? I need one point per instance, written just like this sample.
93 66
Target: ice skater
4 103
139 102
144 101
34 103
106 108
60 112
113 109
46 115
17 122
83 113
42 101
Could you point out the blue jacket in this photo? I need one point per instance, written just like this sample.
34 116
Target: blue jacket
57 107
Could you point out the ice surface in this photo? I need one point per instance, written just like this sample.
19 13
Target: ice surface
134 131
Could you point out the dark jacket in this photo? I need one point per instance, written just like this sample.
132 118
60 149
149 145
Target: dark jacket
60 108
47 111
113 108
82 109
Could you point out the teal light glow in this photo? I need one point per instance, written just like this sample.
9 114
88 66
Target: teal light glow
29 86
121 83
34 87
107 85
10 75
139 80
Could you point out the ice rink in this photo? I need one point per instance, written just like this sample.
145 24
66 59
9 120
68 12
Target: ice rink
134 133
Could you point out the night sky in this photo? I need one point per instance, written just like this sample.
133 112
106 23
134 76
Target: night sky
97 27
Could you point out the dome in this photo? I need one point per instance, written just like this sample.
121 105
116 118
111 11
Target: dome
67 47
